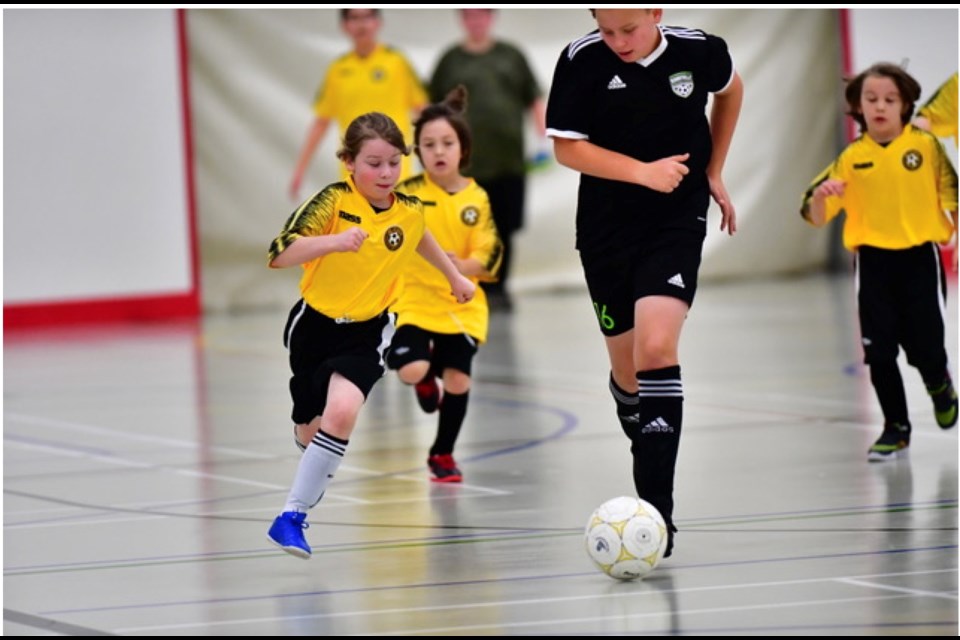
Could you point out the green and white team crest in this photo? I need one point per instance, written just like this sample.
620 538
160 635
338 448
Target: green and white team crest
682 83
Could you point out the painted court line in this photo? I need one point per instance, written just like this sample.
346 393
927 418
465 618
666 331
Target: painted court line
887 587
136 464
118 434
525 602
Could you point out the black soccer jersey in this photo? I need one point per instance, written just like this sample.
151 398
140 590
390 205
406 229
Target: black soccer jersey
649 109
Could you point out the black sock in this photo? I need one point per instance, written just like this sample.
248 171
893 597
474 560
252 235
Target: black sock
936 380
886 380
628 411
657 437
453 410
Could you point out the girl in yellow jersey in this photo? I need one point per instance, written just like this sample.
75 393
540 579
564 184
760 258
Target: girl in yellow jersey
436 337
897 187
353 239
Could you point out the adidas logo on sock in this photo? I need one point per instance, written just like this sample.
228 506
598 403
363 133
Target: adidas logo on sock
616 83
657 426
677 281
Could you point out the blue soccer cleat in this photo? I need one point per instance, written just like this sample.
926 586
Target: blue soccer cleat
287 533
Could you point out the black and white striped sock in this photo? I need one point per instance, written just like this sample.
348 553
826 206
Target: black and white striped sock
318 465
657 438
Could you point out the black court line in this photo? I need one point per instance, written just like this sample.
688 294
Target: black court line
48 624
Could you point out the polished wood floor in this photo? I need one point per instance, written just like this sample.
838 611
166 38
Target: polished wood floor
143 465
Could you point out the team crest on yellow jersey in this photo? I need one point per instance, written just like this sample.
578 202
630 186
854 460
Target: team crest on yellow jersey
378 74
470 216
912 160
682 83
393 238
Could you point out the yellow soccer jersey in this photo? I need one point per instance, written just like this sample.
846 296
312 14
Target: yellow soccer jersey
383 81
895 196
463 225
356 286
941 110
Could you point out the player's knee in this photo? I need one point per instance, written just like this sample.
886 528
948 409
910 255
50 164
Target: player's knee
339 418
340 414
656 352
455 381
413 372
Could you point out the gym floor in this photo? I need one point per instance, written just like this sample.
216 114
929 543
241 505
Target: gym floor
143 465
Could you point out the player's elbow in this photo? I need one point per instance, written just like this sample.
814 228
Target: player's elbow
281 261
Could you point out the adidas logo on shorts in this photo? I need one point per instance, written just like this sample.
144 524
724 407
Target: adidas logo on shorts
677 281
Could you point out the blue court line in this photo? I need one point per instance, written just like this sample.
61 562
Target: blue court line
153 510
463 583
568 422
485 532
272 551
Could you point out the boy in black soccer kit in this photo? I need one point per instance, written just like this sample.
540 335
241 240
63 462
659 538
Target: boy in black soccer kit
626 109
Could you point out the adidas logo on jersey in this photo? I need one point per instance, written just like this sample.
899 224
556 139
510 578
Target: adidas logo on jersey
657 426
616 83
677 281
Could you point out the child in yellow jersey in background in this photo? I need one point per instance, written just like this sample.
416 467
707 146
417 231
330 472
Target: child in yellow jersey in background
371 77
939 114
353 239
896 184
436 337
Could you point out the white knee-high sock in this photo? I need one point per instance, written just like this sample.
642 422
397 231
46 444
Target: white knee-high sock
318 464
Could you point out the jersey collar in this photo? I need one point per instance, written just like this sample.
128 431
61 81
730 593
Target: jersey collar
656 53
373 54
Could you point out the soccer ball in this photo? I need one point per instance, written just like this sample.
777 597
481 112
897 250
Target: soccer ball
626 537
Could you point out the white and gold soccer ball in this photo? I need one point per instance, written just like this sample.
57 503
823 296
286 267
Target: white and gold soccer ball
626 537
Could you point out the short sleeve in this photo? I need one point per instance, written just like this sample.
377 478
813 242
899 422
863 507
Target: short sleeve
941 109
569 107
946 178
416 92
719 64
833 204
485 243
323 102
312 218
